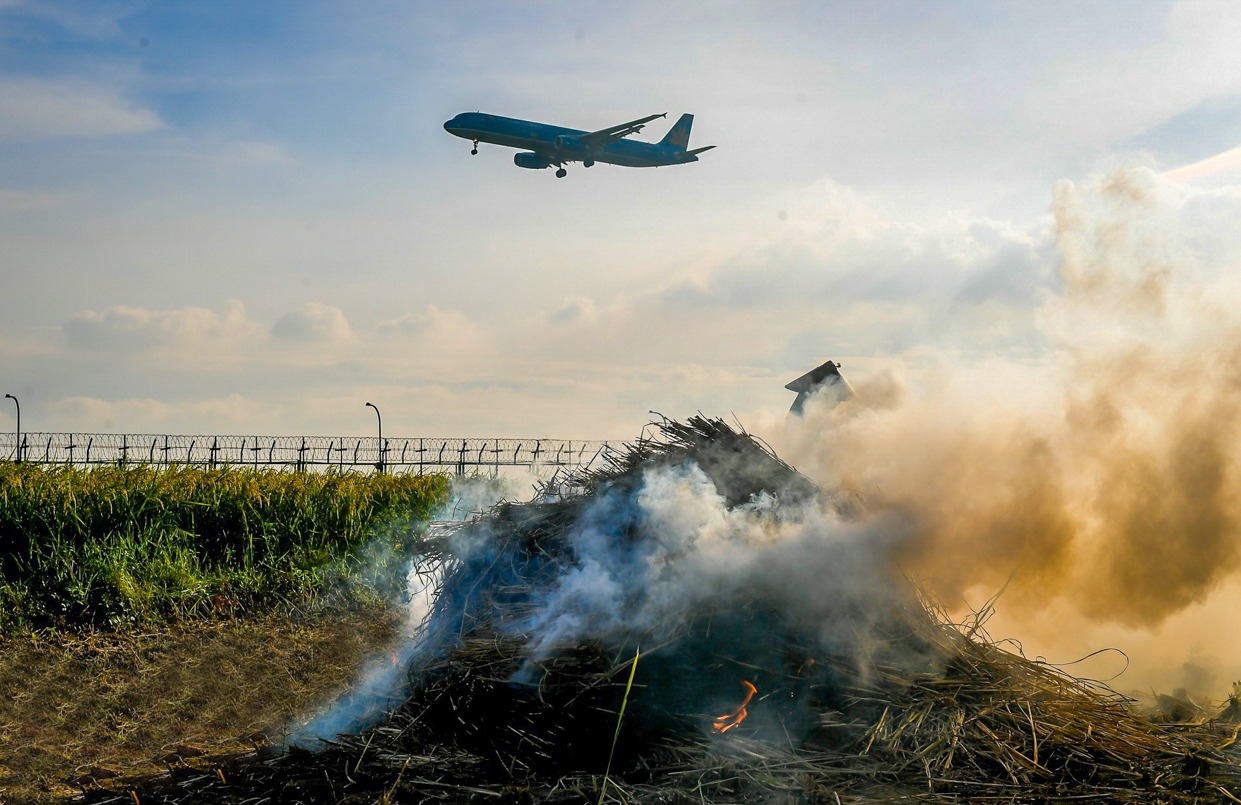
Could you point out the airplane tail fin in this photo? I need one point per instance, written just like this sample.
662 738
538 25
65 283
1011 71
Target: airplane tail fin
678 135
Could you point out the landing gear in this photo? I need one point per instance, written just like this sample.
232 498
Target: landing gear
474 150
586 163
561 173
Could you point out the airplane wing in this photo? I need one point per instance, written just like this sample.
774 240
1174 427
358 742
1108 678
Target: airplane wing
605 136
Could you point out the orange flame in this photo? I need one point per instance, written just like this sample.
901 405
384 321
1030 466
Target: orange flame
726 722
808 665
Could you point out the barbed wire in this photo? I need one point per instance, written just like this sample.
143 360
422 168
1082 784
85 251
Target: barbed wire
304 453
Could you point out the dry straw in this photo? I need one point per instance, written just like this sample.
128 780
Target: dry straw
484 718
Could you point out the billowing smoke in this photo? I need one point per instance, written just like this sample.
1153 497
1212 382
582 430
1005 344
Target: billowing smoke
1099 481
379 684
722 563
694 554
1097 484
728 568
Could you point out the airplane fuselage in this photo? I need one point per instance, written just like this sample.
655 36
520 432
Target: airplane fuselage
558 145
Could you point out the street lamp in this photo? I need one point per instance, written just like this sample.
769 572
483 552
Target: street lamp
379 465
19 426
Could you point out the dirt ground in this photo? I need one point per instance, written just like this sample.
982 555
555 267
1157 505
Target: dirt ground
84 708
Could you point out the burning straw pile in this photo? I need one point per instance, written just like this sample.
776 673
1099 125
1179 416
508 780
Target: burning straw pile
697 621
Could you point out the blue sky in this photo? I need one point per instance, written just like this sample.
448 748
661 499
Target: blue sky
246 217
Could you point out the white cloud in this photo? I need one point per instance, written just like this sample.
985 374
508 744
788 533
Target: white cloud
127 328
438 338
314 321
575 310
33 109
1225 166
432 323
836 247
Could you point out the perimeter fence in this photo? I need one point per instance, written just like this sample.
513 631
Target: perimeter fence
303 453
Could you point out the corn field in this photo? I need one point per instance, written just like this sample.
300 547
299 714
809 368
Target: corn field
119 545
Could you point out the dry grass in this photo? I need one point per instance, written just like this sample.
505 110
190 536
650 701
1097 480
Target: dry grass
75 708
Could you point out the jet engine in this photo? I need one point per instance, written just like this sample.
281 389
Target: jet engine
529 159
566 143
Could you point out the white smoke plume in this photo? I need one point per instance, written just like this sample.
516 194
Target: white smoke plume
378 685
695 555
723 565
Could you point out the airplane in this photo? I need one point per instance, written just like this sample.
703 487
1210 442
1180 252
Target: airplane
546 145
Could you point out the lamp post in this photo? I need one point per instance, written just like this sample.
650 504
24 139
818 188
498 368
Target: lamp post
379 465
19 426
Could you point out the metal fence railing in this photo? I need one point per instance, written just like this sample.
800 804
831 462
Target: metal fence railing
306 453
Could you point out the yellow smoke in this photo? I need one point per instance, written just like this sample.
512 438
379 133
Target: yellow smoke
1100 482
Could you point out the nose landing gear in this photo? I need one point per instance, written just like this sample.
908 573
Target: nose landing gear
474 150
561 173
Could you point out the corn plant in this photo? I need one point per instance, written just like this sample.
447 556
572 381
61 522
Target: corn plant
120 545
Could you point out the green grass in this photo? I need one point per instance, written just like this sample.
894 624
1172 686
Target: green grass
620 719
129 546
